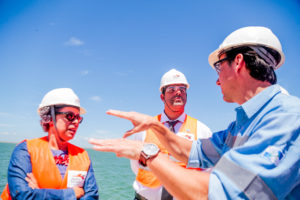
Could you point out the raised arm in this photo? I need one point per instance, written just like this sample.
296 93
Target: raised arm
180 182
177 146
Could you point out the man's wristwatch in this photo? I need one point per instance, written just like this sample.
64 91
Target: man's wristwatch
149 151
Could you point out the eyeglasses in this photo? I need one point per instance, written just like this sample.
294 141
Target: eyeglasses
217 64
70 116
171 89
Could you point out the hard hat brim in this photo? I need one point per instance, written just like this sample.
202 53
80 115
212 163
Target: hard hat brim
214 56
81 110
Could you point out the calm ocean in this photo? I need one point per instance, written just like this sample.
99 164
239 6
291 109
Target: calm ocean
113 174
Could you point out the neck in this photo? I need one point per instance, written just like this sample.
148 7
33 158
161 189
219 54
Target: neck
173 115
56 143
254 88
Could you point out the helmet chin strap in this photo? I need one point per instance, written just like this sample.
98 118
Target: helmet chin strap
54 122
53 117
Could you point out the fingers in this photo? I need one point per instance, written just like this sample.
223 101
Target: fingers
108 145
31 181
121 147
118 113
79 192
132 131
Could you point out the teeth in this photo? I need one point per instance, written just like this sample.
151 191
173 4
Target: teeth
177 103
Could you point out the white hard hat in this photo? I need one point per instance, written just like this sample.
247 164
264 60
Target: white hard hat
61 96
173 77
249 36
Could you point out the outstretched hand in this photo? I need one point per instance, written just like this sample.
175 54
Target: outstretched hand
140 121
121 147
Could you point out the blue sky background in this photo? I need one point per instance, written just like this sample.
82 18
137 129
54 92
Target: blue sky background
112 53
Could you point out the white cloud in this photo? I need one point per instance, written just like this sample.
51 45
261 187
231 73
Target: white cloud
7 133
6 114
96 98
73 41
5 125
84 73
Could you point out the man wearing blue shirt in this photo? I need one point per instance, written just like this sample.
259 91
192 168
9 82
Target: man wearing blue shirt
257 156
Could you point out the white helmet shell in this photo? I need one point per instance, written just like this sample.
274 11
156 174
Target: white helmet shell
173 77
61 96
249 36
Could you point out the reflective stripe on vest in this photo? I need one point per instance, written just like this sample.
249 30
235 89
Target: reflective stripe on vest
43 164
249 183
146 177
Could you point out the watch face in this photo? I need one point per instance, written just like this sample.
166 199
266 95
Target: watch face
150 149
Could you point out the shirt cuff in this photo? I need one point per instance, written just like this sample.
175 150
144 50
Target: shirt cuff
193 161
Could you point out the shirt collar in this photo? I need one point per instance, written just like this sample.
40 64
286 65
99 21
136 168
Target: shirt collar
165 118
251 106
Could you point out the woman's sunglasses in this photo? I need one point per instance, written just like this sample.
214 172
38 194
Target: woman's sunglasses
70 116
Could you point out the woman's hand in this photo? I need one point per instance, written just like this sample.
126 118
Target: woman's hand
32 181
79 192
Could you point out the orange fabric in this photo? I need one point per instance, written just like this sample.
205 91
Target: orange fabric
44 168
43 163
5 194
147 178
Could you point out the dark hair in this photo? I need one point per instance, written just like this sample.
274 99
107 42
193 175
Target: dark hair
163 90
257 66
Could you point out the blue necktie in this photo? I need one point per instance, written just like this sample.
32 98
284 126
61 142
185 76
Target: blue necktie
172 125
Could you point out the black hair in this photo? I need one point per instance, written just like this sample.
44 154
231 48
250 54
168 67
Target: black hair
257 66
163 90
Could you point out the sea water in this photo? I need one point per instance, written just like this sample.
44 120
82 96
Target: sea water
114 176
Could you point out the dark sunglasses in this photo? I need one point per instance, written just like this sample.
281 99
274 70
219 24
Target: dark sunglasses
70 116
217 64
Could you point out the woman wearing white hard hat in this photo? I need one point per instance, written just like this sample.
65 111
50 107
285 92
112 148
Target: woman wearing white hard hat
50 167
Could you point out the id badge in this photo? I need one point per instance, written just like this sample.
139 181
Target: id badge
76 178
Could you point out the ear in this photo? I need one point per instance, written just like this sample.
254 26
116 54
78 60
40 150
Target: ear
239 62
162 97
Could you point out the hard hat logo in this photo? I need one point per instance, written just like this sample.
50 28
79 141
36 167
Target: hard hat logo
173 77
61 96
255 37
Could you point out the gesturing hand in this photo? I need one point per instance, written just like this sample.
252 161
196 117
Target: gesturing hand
121 147
140 121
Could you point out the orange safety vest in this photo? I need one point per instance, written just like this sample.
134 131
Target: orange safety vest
146 177
43 164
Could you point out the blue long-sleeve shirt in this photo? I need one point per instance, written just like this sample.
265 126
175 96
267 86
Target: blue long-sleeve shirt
258 156
20 165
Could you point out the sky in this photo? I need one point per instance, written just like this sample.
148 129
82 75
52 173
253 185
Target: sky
112 53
